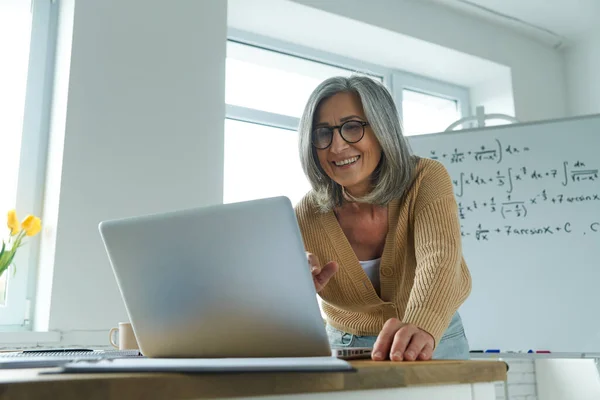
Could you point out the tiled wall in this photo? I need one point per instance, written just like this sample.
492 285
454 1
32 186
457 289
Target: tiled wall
521 384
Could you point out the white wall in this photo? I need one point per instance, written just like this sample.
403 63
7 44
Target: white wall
538 71
60 92
567 380
140 110
583 75
495 95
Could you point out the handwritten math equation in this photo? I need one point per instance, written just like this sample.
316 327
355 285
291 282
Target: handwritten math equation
507 179
484 233
518 207
483 153
502 190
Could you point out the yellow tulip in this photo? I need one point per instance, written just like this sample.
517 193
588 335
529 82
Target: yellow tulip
31 225
13 222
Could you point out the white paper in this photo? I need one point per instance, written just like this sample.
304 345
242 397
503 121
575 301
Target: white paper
296 364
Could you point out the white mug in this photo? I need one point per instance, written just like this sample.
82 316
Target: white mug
127 340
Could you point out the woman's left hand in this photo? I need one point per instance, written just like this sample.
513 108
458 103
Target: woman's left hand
399 341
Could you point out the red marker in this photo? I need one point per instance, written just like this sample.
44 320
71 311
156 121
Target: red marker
543 351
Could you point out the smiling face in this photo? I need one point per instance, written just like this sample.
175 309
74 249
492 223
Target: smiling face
348 164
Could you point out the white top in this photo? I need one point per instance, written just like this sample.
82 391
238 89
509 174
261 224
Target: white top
371 268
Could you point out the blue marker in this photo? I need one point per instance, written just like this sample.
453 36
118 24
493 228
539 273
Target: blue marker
492 351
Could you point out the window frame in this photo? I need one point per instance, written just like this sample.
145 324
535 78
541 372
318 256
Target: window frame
16 315
260 117
404 80
394 80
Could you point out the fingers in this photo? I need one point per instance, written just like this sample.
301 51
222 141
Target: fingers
427 352
321 275
416 346
327 272
402 342
313 262
315 269
402 339
382 345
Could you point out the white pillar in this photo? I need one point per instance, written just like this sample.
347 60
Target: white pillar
137 127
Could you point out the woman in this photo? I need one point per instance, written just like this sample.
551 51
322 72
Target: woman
385 225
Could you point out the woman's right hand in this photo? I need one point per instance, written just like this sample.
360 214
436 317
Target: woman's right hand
321 275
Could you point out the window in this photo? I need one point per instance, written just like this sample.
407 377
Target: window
251 151
270 81
428 106
417 108
267 86
24 45
15 32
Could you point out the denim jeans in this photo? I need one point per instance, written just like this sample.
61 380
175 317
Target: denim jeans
452 346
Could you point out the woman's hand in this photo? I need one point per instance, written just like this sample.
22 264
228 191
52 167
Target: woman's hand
321 275
399 341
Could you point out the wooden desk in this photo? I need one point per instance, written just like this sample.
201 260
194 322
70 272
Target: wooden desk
473 380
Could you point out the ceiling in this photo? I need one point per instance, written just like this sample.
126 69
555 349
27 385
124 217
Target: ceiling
556 22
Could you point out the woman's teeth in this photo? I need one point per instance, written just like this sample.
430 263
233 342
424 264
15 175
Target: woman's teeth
347 161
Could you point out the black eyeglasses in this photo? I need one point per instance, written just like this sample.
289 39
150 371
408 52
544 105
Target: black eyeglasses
351 131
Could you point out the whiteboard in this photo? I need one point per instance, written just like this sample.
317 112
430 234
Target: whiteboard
529 205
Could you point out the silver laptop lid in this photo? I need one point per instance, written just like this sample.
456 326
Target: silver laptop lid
227 280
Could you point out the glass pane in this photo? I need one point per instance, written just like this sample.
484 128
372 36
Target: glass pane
261 161
15 34
269 81
424 113
4 286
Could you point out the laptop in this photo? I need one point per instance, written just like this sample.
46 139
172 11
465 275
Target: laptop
228 280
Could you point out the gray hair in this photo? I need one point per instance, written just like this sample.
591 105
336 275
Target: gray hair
394 173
